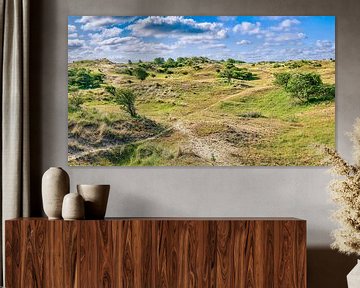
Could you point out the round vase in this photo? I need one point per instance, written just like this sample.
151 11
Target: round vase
73 207
96 198
55 185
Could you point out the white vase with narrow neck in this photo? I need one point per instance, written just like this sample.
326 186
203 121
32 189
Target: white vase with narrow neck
55 185
353 278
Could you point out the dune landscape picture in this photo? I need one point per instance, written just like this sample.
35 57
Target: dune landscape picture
200 90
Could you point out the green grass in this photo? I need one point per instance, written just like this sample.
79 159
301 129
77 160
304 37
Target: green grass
276 129
274 104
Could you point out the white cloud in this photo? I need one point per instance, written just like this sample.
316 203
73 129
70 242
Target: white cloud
243 42
324 44
71 28
248 28
105 33
95 23
73 35
175 26
213 46
285 25
199 39
118 40
75 43
289 37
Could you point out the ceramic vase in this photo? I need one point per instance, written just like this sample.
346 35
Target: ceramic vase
96 198
353 278
55 185
73 207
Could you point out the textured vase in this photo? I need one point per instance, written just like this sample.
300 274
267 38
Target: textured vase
96 198
353 278
73 207
55 185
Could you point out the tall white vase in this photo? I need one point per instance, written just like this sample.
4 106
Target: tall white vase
353 278
55 185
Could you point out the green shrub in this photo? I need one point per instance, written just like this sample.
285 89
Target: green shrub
276 65
169 63
74 103
159 60
233 72
127 71
82 78
125 98
282 79
306 87
141 73
251 115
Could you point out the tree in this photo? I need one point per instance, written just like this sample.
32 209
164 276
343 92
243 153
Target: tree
233 72
170 63
282 79
230 60
125 98
141 73
227 74
305 87
129 62
159 60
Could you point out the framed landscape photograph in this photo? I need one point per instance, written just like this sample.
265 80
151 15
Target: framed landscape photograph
200 90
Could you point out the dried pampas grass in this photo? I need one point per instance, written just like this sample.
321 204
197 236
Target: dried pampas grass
345 192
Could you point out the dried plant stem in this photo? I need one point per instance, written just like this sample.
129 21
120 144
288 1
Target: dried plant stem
345 192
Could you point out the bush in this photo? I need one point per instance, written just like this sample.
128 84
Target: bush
82 78
232 72
75 103
251 115
126 71
327 92
125 98
170 63
141 73
306 87
161 70
159 61
282 79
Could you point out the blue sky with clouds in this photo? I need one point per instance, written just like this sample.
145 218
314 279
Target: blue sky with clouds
247 38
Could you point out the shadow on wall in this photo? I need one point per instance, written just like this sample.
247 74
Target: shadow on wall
328 268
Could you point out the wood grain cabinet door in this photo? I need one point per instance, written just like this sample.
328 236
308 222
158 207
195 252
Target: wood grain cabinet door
173 253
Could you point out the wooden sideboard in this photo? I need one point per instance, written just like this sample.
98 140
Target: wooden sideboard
156 252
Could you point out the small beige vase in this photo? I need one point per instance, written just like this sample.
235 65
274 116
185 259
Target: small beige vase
55 185
96 198
73 207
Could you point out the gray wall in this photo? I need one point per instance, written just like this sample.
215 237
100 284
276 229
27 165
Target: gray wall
298 192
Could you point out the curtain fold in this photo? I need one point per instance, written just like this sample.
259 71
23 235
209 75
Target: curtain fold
15 166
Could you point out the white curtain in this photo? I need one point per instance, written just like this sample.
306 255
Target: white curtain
14 39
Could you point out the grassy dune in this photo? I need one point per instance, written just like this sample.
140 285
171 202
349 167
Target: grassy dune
194 117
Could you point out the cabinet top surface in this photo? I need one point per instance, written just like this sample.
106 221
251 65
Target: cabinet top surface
173 219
